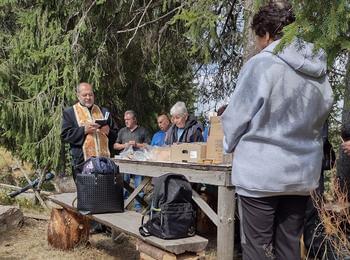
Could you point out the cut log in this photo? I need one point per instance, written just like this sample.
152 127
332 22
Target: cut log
10 217
149 252
67 229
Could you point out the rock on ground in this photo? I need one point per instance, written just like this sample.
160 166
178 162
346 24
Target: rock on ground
65 184
10 217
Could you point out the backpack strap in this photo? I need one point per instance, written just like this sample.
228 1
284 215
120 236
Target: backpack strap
142 229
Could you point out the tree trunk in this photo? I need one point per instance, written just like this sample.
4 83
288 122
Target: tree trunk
67 229
249 37
343 163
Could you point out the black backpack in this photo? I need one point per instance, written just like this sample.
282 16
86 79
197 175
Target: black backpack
171 213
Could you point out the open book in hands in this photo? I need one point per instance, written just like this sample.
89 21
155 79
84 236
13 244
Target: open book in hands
103 121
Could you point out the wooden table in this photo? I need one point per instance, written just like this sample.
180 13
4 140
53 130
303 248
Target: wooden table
218 175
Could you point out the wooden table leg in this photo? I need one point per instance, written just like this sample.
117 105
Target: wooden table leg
205 208
136 191
226 211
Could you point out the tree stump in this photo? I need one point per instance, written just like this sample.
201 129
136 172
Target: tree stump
67 229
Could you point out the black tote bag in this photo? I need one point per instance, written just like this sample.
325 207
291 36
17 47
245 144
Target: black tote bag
100 191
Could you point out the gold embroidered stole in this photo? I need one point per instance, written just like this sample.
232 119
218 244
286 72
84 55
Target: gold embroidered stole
95 144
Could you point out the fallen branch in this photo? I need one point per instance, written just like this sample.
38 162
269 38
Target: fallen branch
37 194
34 216
13 187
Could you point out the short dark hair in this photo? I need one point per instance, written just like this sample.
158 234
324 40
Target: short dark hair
272 18
163 114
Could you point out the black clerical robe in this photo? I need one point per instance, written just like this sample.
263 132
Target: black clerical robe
74 134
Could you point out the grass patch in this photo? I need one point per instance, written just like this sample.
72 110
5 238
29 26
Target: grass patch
334 212
6 158
24 203
5 199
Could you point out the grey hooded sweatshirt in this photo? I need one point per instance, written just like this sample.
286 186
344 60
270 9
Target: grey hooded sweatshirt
274 119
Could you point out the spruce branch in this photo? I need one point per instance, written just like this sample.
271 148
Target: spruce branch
80 23
152 21
138 24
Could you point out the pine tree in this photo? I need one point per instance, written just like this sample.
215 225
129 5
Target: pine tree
138 55
52 46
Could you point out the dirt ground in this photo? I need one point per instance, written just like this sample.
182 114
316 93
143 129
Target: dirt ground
30 242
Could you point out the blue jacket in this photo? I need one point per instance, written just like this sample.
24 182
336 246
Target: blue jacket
158 138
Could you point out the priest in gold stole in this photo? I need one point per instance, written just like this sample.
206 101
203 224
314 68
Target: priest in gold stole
79 129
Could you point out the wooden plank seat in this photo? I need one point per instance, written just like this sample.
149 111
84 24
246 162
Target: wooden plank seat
129 222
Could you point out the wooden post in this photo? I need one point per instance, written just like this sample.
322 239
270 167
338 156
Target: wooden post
226 211
67 229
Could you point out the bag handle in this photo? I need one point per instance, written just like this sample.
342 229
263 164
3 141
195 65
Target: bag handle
73 202
82 163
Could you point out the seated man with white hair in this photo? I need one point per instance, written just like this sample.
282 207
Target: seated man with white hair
185 128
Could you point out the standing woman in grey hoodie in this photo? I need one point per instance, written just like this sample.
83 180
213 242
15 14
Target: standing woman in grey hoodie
273 125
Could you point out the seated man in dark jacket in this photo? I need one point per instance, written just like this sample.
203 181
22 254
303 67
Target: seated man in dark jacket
185 128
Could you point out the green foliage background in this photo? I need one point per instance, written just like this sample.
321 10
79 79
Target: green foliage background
327 25
138 55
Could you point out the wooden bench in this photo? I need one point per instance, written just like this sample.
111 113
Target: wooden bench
149 247
217 175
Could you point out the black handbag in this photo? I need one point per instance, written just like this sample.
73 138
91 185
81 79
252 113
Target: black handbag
99 187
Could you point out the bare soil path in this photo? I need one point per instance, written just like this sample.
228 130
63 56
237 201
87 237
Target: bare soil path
30 242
